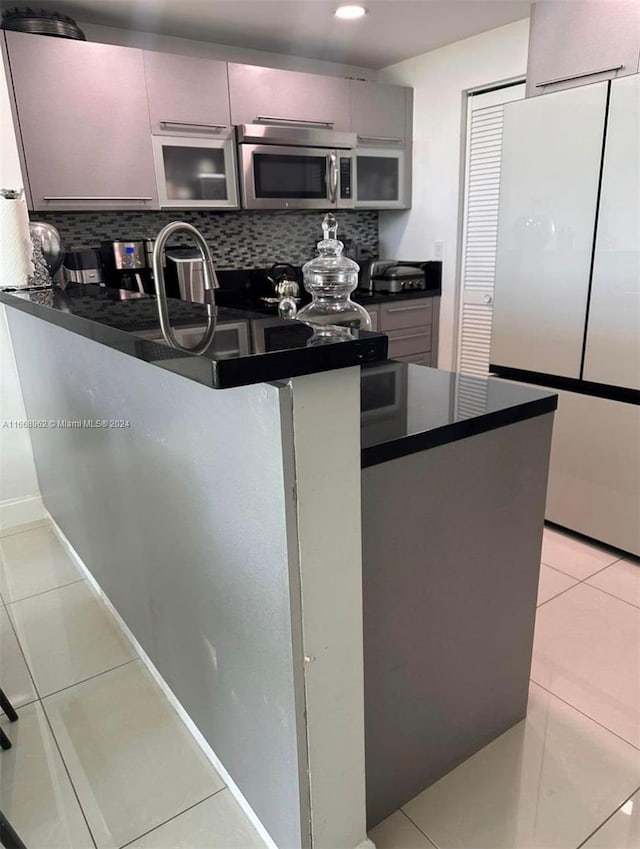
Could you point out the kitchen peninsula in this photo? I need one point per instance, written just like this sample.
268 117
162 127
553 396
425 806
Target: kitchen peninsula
226 528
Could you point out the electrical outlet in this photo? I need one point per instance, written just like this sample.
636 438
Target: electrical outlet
438 250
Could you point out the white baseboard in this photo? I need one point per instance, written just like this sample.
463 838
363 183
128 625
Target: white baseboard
184 716
21 511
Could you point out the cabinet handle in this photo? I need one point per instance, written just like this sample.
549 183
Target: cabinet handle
580 76
410 336
408 309
271 119
216 127
97 197
384 139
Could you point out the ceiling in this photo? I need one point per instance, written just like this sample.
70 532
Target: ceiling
391 31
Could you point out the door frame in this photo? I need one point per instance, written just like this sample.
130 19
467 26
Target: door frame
467 96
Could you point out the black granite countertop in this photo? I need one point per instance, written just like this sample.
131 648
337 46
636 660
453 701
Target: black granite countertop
409 408
246 289
262 348
248 300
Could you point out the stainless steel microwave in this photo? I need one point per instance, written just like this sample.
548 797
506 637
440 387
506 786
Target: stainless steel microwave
286 167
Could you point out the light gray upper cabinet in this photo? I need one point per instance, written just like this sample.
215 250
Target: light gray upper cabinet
84 123
380 113
272 95
186 95
573 43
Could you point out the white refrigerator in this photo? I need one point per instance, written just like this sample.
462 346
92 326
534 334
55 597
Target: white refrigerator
567 293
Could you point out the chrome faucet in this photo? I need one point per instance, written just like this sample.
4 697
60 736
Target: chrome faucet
210 285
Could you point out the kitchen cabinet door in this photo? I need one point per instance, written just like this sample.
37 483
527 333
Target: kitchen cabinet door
551 152
374 315
406 314
571 44
84 123
612 353
186 94
271 95
381 114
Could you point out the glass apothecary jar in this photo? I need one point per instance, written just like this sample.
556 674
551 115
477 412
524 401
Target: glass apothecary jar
330 278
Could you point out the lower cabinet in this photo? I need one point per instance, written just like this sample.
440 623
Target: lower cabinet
412 328
373 315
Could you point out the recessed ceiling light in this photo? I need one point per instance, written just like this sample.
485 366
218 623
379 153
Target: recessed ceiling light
350 13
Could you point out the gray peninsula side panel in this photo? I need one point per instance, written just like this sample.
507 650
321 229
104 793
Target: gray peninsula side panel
451 559
181 517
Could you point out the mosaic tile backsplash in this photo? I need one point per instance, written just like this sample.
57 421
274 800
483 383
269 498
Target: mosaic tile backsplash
236 239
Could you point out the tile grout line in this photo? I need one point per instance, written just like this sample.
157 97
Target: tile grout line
611 595
415 824
44 592
39 696
40 700
14 530
66 769
558 569
579 581
582 713
24 659
23 705
597 572
170 819
88 678
557 595
605 821
53 737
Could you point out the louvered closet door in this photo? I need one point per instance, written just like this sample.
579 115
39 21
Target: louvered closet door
480 231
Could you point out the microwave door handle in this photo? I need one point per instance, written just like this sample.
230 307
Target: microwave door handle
333 177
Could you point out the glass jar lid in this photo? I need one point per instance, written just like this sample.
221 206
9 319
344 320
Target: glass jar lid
331 271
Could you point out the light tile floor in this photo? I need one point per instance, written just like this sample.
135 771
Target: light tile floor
99 756
102 760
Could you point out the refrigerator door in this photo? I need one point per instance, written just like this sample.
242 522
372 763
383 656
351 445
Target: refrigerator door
551 156
613 331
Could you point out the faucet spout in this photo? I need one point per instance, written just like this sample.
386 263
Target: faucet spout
210 285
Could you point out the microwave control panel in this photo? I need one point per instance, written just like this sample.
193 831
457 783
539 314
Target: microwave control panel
345 178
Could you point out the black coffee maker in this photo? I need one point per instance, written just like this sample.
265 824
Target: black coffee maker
126 265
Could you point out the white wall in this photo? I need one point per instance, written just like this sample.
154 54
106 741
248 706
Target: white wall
19 494
440 79
228 53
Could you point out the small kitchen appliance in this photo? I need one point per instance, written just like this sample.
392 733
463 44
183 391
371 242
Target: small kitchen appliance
82 267
125 265
184 270
285 281
396 277
295 167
